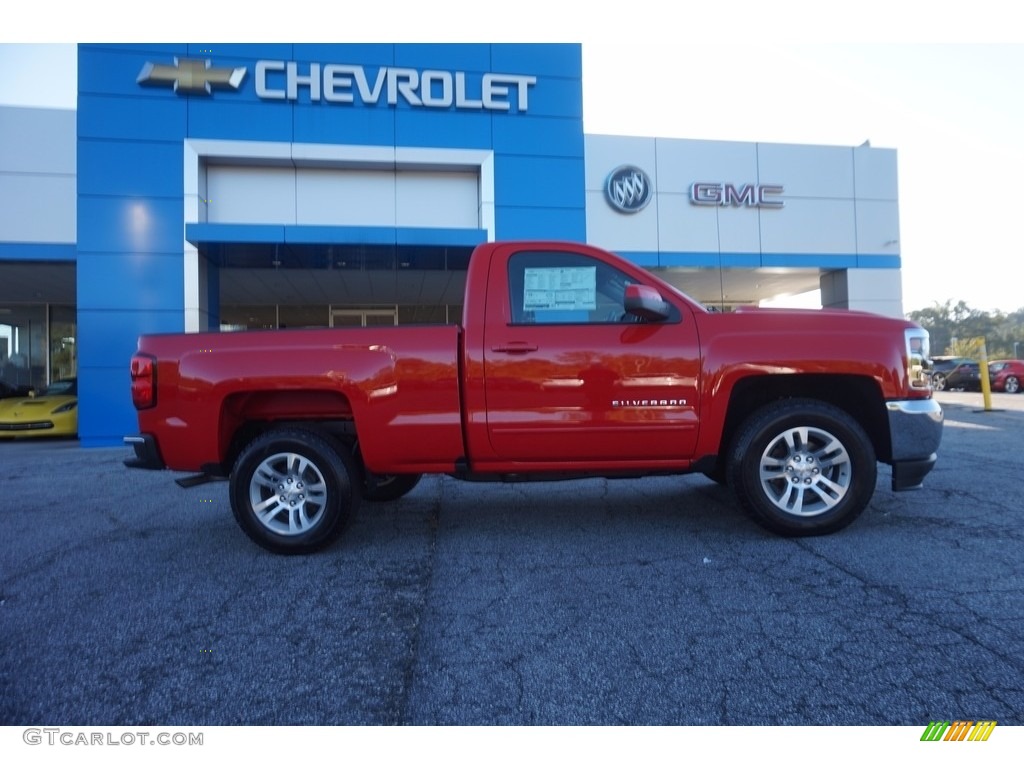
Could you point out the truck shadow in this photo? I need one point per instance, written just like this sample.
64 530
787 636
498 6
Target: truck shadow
647 507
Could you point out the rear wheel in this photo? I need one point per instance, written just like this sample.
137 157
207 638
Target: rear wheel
718 474
292 491
1012 385
938 382
803 468
388 487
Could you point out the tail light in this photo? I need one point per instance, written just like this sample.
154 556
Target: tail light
143 381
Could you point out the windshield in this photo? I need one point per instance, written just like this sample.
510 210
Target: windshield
63 387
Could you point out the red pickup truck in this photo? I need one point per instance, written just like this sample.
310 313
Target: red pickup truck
570 362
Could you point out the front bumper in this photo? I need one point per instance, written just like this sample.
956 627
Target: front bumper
915 430
147 454
36 429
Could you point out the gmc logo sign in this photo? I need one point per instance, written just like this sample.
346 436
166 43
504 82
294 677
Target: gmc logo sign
748 195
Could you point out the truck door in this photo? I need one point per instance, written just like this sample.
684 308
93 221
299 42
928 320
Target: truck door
570 376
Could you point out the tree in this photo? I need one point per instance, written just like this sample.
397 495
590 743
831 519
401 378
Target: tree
948 322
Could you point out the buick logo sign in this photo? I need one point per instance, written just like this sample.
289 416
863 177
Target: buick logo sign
628 189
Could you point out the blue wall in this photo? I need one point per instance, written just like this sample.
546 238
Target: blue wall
130 172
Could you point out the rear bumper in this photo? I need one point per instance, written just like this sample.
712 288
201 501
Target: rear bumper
915 429
147 454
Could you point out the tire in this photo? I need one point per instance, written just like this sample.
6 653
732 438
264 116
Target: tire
1011 385
938 382
378 488
718 474
292 491
802 468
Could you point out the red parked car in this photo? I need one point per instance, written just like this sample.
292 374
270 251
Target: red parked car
1006 375
966 376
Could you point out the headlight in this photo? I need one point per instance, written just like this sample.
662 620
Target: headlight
66 407
918 354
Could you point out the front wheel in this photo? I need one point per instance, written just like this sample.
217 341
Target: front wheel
938 382
292 491
803 468
1012 385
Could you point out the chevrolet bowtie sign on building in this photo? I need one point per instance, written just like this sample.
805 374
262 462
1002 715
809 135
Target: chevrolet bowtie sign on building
191 76
349 84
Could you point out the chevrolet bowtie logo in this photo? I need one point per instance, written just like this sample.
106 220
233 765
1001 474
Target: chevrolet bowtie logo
191 76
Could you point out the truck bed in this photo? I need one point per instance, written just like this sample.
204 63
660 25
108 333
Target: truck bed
401 384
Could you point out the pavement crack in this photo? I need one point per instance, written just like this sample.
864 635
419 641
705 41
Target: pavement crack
418 608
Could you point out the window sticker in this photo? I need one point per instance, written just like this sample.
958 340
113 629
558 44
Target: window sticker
564 288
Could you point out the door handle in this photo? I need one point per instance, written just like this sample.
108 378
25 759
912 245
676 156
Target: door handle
515 347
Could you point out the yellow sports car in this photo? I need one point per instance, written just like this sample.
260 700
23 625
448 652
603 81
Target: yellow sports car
54 411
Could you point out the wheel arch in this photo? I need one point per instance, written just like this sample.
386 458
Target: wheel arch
859 396
246 415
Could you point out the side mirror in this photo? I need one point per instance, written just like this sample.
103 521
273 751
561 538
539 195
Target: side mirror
643 301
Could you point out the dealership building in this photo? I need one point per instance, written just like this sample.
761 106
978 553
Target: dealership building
205 187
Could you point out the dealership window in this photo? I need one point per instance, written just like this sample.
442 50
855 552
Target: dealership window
63 343
250 317
268 285
38 345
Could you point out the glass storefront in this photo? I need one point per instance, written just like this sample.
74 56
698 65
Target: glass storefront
37 345
247 318
266 285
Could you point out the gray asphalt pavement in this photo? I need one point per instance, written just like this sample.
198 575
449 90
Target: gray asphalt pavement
126 600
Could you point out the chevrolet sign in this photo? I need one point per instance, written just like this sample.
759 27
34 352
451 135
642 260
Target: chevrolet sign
350 84
343 83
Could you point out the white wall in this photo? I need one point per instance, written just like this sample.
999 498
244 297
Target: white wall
342 197
38 170
869 290
839 201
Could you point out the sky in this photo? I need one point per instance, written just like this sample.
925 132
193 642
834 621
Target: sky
942 83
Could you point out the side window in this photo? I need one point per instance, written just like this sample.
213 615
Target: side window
551 287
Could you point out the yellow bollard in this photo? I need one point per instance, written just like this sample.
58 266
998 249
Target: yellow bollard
986 386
